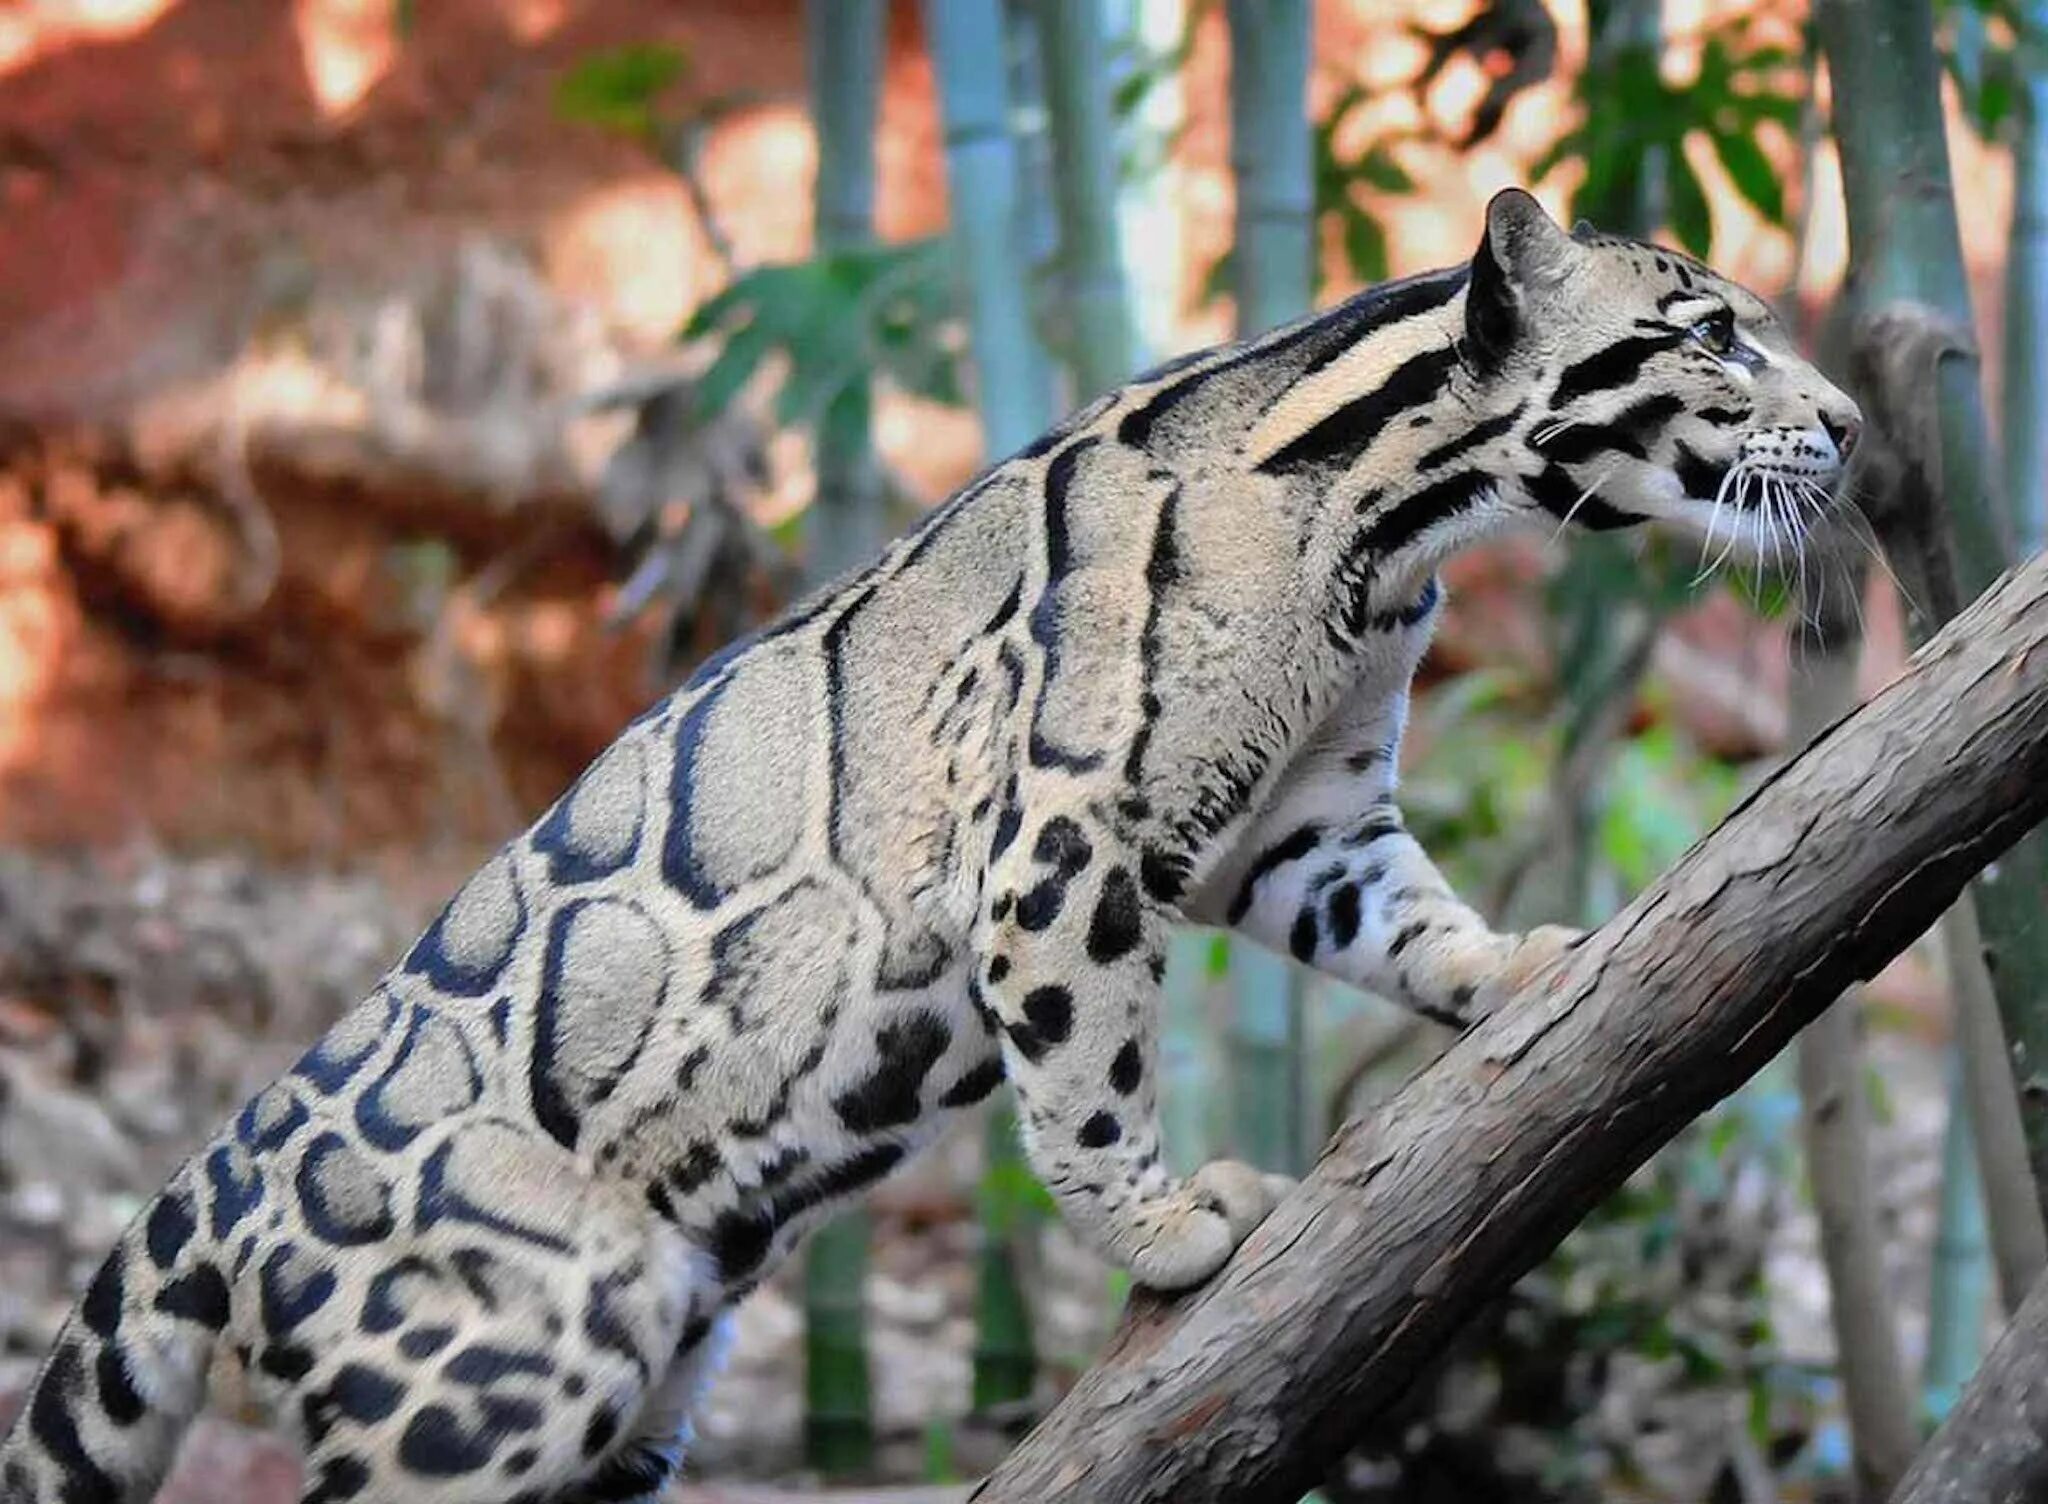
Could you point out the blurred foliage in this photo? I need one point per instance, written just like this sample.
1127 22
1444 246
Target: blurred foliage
1514 42
1635 122
1988 52
882 310
622 89
1340 180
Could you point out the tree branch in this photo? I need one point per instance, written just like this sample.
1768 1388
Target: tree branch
1250 1387
1993 1449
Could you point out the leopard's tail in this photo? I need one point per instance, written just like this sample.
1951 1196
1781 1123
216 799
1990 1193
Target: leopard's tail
102 1420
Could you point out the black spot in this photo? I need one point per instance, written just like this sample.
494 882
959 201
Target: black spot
686 1072
363 1394
1113 932
1050 1011
1100 1131
423 1342
1700 476
1407 937
1302 938
386 1118
169 1229
615 778
483 1363
1344 915
998 968
1027 1041
509 1413
1163 874
118 1395
601 1430
739 1241
907 1050
340 1479
1128 1069
975 1085
101 1306
636 1471
1037 909
1291 848
435 1445
285 1360
200 1296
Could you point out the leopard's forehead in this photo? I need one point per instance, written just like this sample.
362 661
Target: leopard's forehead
1641 269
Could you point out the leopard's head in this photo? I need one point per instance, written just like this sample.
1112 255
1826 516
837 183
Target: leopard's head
1663 391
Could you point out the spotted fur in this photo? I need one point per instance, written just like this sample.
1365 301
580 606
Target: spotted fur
926 832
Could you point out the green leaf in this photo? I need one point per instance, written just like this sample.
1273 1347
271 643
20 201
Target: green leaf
617 90
1751 172
885 310
1365 245
1378 169
1691 220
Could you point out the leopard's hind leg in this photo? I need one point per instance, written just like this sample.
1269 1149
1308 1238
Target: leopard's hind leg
510 1349
662 1432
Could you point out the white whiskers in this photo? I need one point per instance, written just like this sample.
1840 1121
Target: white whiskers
1584 496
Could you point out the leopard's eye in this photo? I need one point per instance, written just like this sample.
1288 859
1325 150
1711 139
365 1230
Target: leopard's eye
1716 331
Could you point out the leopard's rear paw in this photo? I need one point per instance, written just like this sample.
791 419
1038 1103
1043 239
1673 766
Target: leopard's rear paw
1189 1233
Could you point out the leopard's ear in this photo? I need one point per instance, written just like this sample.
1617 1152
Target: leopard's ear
1522 252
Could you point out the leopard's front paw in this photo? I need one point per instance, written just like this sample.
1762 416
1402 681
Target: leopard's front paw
1185 1236
1529 957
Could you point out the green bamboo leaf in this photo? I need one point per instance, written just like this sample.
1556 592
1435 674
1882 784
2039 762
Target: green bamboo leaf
1378 169
1691 220
617 89
1365 245
1751 172
741 356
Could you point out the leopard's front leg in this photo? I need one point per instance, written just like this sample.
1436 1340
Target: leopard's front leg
1331 875
1360 900
1071 957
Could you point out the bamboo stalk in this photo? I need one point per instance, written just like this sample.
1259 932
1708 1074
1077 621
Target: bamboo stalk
1271 158
1959 1281
2024 429
1272 161
1905 245
969 50
1084 176
848 523
844 46
982 177
1834 1116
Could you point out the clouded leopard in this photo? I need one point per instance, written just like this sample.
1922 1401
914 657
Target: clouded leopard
924 834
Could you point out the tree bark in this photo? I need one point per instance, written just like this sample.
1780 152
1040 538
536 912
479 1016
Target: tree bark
1993 1449
1249 1388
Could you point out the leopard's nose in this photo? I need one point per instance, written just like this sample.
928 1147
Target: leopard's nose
1844 430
